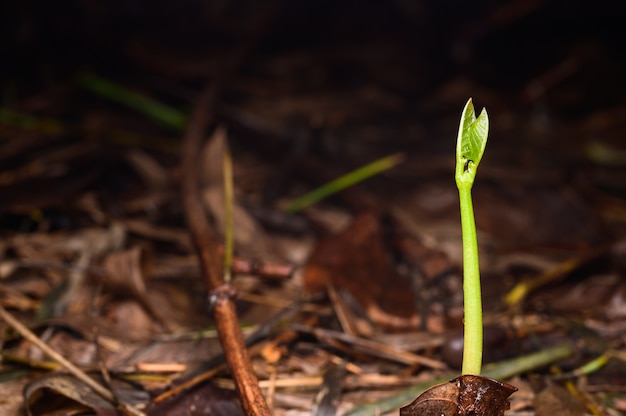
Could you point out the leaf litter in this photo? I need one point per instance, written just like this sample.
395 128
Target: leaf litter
357 299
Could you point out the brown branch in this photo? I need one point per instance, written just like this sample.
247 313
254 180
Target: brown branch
205 243
259 268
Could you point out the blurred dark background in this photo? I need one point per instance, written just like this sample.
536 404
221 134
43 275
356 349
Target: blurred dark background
411 47
352 80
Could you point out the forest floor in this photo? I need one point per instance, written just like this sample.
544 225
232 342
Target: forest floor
352 305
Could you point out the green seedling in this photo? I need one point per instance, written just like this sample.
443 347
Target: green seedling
470 393
471 142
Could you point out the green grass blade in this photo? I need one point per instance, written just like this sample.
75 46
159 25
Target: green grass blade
229 202
159 112
344 182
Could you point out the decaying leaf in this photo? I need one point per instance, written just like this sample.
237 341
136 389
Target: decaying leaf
125 275
64 394
467 395
555 399
441 399
357 263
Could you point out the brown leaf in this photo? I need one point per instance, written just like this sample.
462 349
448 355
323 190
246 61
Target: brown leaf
467 395
124 272
125 275
441 399
357 263
555 399
64 394
483 396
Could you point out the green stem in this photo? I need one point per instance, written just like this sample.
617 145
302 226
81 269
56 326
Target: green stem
473 327
470 147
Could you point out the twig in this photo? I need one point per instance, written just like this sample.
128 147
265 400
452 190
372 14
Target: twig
205 242
215 365
186 385
75 371
371 347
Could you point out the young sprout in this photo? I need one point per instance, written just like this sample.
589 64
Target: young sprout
471 142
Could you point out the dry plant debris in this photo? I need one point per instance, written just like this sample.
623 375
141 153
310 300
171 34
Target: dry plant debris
354 303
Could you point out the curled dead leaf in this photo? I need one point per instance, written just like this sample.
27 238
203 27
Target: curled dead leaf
467 395
64 394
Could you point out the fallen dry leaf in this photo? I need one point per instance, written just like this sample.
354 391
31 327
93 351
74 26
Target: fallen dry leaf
467 395
357 262
63 394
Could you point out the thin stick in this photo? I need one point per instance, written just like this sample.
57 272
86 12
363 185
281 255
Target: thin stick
371 347
207 247
75 371
194 381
